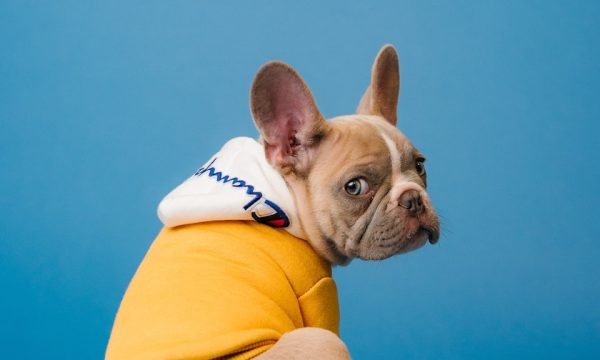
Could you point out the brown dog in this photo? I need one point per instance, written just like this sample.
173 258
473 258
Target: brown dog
358 182
354 186
368 178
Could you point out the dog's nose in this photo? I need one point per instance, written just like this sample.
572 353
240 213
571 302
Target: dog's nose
411 201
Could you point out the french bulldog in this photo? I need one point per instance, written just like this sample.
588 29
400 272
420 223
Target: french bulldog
358 183
218 283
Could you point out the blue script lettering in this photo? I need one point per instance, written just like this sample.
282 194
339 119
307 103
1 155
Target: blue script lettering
235 182
277 219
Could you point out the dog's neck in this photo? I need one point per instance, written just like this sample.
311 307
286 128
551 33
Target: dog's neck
309 223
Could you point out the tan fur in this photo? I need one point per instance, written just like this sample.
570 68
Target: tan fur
317 158
266 87
353 142
308 344
381 97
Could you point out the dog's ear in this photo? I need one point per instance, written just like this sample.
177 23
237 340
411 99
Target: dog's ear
381 97
286 116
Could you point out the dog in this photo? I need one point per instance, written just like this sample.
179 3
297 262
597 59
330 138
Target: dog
353 187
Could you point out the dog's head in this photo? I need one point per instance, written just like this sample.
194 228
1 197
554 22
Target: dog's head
358 182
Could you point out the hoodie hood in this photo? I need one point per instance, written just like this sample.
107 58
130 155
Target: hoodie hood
236 183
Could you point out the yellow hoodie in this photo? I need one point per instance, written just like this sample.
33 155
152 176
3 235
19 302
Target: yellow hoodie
222 289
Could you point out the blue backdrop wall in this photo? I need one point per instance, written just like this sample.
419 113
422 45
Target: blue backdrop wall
106 106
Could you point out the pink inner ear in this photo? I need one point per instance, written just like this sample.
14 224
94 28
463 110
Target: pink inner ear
291 111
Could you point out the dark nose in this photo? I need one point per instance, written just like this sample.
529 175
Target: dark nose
411 201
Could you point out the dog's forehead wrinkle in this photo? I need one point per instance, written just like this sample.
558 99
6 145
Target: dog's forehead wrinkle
346 143
398 146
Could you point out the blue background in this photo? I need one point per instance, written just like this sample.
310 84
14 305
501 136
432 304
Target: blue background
106 106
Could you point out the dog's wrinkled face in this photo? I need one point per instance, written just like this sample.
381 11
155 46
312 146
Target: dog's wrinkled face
367 191
358 182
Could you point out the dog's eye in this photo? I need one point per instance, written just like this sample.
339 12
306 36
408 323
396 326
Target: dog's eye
358 186
420 166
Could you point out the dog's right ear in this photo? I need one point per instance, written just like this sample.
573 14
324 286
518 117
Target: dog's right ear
381 97
286 116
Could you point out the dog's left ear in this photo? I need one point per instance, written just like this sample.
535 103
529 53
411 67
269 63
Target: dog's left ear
287 118
381 97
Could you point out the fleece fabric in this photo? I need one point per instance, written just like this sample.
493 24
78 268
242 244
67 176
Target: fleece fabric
230 273
222 289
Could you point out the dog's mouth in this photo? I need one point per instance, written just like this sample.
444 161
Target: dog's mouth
430 233
425 233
